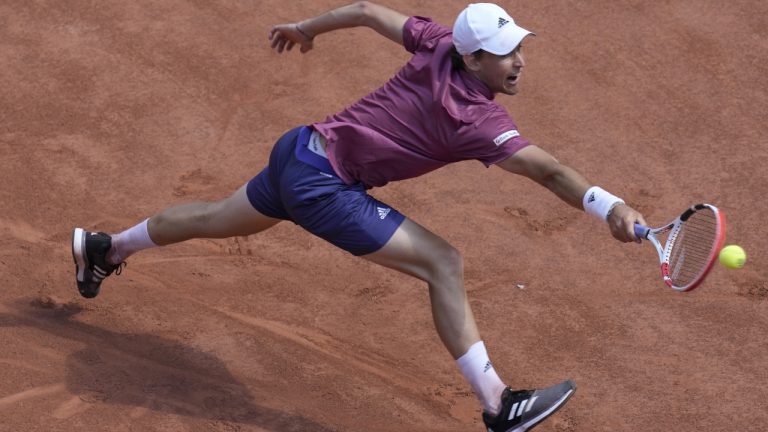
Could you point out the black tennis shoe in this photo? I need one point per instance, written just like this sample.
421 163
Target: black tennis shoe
89 250
521 410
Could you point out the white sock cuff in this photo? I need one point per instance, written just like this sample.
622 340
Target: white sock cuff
474 352
130 241
479 372
140 235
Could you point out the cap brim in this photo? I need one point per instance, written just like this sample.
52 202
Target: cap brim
507 40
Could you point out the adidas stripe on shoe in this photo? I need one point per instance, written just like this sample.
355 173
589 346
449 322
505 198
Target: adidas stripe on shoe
523 409
89 251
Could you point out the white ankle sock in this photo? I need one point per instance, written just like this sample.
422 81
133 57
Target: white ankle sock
478 370
129 242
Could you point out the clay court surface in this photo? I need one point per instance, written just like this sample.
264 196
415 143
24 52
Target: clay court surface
111 111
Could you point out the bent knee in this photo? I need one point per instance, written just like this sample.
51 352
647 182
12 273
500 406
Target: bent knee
446 263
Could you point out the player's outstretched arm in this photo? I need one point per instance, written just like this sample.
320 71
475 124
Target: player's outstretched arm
570 186
385 21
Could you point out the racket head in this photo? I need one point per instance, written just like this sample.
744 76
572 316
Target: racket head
692 246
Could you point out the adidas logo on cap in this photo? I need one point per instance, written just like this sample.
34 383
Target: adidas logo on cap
502 22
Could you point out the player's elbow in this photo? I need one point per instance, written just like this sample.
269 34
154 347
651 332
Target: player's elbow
379 18
365 10
545 170
551 175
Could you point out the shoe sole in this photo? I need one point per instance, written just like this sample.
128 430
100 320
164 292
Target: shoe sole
553 409
78 253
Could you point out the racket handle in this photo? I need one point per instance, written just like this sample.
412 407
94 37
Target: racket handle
642 231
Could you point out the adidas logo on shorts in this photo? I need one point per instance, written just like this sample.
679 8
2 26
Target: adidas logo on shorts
383 212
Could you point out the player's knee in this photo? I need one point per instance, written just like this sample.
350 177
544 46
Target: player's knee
447 263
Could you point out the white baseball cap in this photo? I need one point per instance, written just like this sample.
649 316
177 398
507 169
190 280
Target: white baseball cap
488 27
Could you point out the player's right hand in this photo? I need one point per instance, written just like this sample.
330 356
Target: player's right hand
622 222
285 36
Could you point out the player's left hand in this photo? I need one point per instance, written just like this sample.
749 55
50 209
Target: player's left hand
283 37
622 221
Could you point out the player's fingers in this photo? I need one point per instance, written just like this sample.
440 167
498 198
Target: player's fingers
638 219
275 40
281 45
630 231
628 227
625 235
617 233
626 230
289 45
641 220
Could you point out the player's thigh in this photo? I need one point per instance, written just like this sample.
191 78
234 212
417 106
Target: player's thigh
236 216
416 251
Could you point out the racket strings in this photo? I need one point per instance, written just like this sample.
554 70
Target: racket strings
693 246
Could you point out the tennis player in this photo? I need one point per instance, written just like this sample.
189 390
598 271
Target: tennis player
439 108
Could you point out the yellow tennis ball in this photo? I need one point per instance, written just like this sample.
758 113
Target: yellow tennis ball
732 256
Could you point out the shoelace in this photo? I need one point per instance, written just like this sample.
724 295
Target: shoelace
514 394
120 267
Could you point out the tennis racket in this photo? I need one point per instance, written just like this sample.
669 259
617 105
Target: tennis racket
693 242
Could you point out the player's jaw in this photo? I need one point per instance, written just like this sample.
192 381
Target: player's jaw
509 85
511 69
501 73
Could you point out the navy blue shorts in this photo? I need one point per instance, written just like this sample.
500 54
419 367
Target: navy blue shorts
300 186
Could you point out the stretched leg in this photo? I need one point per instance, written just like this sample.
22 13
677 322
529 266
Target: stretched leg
231 217
416 251
97 255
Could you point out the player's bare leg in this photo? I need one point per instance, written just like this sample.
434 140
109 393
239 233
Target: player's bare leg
98 255
231 217
416 251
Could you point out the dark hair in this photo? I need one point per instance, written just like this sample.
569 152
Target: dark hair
457 60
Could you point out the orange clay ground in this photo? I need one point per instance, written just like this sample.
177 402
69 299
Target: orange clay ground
111 111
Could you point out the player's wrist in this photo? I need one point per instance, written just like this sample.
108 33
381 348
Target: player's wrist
303 31
613 207
600 203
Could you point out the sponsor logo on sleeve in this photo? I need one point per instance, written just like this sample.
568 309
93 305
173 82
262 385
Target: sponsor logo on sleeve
499 140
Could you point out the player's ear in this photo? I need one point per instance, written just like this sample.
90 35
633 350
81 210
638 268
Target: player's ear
471 61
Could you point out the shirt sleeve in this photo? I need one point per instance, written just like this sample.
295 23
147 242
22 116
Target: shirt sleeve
491 140
420 32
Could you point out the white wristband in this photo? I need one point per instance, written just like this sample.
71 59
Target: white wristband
599 203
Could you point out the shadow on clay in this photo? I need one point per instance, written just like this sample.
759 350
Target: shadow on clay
149 372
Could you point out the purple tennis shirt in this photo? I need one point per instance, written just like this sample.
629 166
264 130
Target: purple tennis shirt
427 116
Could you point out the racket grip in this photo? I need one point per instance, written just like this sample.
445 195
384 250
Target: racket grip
642 231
